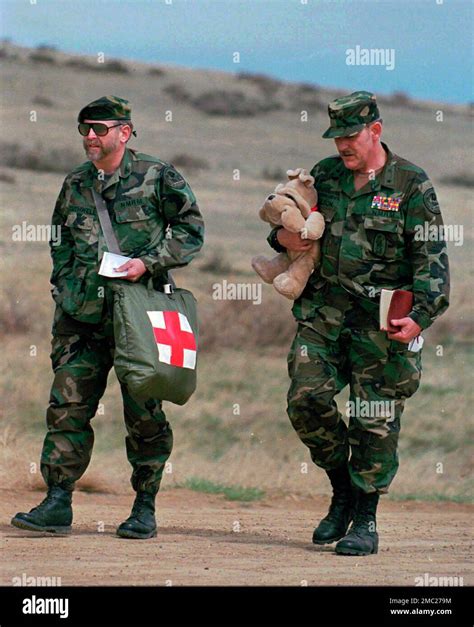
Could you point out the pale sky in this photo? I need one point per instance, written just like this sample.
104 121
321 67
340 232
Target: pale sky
430 41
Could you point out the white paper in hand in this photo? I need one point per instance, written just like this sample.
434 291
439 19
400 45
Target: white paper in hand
111 261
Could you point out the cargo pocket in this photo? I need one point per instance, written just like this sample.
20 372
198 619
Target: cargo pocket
402 371
70 296
384 237
312 299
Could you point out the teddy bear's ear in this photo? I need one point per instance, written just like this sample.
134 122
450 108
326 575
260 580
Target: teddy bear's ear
294 174
306 178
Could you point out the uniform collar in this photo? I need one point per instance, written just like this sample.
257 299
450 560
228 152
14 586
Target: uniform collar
385 178
123 171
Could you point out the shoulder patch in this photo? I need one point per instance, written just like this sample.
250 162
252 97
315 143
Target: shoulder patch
174 179
430 201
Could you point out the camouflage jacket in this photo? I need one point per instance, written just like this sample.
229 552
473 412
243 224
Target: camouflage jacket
372 240
154 215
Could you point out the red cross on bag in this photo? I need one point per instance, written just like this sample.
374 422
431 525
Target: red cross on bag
174 338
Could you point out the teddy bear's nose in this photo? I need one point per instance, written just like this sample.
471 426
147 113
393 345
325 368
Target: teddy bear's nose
271 197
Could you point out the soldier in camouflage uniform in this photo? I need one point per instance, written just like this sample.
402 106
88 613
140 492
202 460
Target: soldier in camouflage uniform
372 202
157 222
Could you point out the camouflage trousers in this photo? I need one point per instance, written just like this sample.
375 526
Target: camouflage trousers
82 356
381 374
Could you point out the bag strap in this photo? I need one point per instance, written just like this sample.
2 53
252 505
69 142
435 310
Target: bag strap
106 224
111 238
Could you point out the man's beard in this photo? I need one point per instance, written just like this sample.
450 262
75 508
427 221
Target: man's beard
97 153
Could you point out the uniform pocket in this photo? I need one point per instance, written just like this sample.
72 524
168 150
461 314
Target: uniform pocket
83 222
134 213
305 359
402 371
84 229
306 307
385 237
70 295
135 229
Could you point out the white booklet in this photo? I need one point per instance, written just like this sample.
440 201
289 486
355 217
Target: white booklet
111 261
416 344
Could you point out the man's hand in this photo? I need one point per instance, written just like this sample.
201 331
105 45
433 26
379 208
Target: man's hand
409 330
134 268
293 241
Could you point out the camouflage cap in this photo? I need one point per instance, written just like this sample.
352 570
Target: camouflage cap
106 108
350 114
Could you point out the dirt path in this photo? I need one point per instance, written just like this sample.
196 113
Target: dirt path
206 540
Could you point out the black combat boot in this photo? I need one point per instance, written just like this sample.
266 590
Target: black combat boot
141 523
53 514
334 525
362 538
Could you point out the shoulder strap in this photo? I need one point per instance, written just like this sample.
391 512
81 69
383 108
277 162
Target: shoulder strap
105 223
109 234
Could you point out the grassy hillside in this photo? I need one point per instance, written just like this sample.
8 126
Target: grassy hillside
220 123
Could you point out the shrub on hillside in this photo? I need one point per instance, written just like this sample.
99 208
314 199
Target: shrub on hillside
177 92
43 101
81 64
305 97
112 66
38 158
240 323
400 99
15 313
4 54
46 48
460 179
268 85
274 174
42 56
308 88
156 71
5 177
115 66
188 162
216 263
231 103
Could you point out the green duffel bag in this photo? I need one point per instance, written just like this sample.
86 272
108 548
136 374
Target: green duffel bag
156 337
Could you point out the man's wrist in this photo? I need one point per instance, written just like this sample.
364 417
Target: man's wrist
149 264
422 319
274 243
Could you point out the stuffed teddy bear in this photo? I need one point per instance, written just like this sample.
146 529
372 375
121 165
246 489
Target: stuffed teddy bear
293 206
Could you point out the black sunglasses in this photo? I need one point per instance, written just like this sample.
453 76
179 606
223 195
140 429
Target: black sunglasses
99 129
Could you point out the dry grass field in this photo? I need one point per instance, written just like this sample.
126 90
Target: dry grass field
220 123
